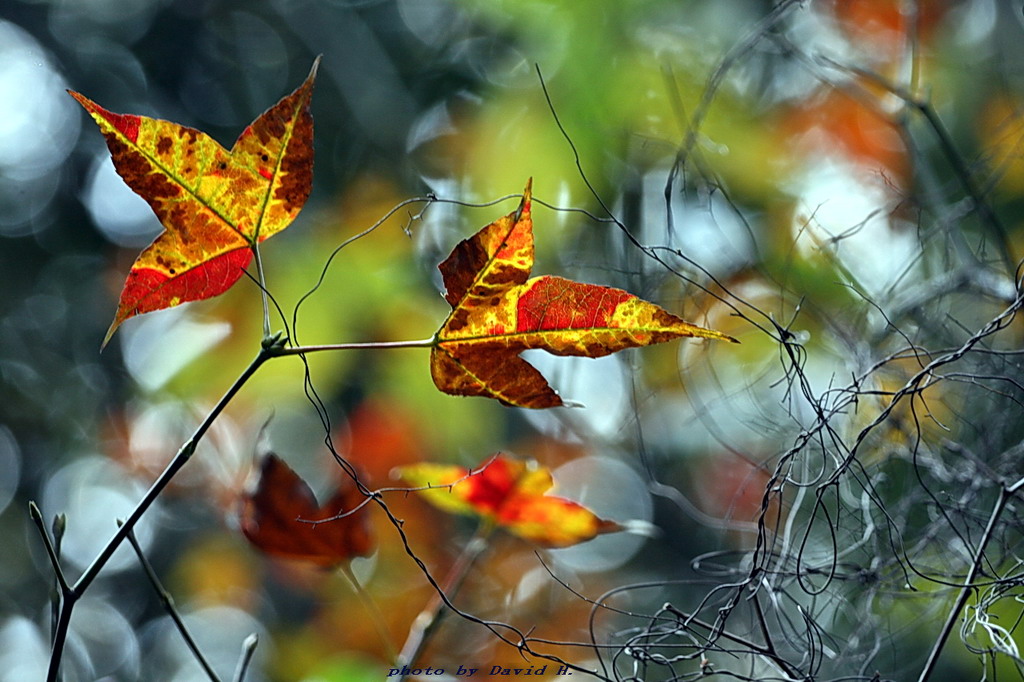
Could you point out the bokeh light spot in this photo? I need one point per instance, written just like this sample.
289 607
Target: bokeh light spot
10 464
613 491
38 128
120 214
94 492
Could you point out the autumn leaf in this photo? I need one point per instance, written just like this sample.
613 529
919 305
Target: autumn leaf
498 311
510 493
276 516
215 205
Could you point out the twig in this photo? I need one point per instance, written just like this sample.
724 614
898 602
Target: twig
168 603
427 621
965 591
61 589
248 649
949 150
768 650
330 259
375 615
59 526
73 594
51 551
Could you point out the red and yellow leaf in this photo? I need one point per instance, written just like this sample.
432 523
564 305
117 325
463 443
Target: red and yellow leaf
215 205
498 311
276 517
509 493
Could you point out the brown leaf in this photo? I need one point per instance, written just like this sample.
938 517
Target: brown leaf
275 518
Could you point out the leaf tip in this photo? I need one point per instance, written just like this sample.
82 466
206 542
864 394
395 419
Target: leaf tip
313 71
110 333
524 205
80 98
640 527
714 335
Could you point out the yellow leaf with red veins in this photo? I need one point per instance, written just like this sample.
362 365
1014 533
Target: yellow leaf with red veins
510 493
498 311
215 204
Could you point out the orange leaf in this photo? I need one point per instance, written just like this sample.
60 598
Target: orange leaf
510 493
498 312
275 518
215 205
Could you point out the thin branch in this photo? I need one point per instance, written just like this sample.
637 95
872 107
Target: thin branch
949 150
168 603
427 621
51 552
61 589
180 459
374 612
248 649
767 651
58 528
330 259
717 77
968 586
59 636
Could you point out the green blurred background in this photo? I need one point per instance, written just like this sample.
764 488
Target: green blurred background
811 195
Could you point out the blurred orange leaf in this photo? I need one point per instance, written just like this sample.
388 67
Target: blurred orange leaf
215 205
885 27
276 518
857 127
498 311
510 493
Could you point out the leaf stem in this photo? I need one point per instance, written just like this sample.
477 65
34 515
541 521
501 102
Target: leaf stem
370 345
375 615
427 621
263 289
71 597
